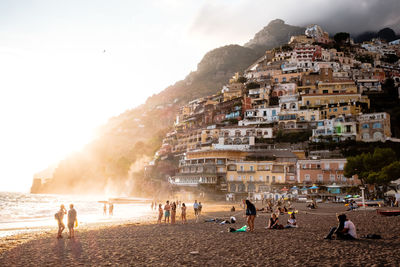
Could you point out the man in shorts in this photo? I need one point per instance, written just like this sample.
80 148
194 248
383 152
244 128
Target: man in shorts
71 221
167 212
196 210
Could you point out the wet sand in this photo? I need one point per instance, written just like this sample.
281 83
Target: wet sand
210 244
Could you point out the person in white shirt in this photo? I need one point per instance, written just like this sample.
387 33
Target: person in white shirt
345 230
196 210
291 223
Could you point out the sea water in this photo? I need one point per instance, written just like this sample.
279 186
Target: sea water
22 212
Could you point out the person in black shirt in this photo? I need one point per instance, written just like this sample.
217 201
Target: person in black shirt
251 214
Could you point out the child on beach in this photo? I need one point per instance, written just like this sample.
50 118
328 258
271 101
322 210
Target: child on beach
60 220
72 219
167 213
160 213
183 214
173 212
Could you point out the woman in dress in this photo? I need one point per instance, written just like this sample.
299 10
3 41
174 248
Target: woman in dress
251 213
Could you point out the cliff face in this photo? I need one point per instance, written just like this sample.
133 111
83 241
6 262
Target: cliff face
137 133
273 35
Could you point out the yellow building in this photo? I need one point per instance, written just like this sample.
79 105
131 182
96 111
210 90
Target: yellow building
337 87
334 111
257 176
317 100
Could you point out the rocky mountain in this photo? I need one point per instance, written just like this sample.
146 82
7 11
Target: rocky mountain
386 34
276 33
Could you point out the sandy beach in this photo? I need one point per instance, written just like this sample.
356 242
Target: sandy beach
210 244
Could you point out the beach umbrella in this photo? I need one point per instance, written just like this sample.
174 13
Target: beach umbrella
294 188
284 189
304 188
313 187
348 196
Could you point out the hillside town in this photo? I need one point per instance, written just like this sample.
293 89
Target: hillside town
307 91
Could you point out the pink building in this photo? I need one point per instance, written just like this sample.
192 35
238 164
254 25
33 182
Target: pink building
323 171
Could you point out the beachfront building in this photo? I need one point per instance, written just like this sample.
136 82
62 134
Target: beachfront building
324 172
374 127
205 170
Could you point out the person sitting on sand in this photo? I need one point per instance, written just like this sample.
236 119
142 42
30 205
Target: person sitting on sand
72 219
251 213
60 220
167 213
274 222
173 212
183 213
345 230
291 223
160 213
233 209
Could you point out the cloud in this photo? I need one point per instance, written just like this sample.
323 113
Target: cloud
238 20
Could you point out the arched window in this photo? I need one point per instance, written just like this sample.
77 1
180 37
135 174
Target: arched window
232 188
378 136
251 188
237 141
280 93
365 126
365 136
241 188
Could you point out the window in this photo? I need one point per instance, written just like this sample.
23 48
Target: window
284 79
320 178
260 178
327 166
251 178
365 126
251 168
332 177
345 108
239 178
231 178
267 178
377 125
365 136
241 168
341 166
307 178
273 179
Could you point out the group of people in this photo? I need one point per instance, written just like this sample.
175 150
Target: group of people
169 211
273 222
345 230
72 221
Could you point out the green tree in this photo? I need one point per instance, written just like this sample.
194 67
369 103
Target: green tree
341 37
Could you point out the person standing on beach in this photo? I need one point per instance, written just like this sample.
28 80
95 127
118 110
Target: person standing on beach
173 212
105 209
196 210
111 209
160 213
183 214
251 213
167 210
60 220
72 219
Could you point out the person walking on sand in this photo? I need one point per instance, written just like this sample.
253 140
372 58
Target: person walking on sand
160 213
251 213
200 207
183 214
105 209
173 212
72 219
167 212
196 210
60 220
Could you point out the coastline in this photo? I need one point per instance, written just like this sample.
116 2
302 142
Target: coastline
208 243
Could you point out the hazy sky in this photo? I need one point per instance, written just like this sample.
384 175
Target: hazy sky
67 66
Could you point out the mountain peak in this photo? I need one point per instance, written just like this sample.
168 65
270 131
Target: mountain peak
276 21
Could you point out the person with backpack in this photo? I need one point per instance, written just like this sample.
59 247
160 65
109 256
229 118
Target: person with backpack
59 216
